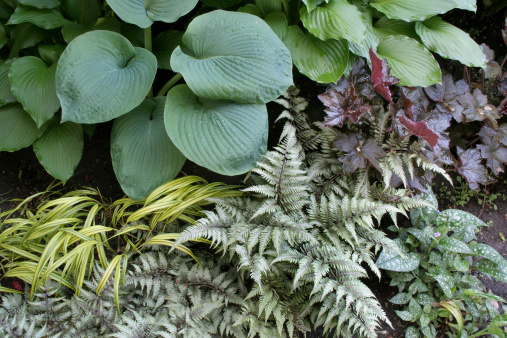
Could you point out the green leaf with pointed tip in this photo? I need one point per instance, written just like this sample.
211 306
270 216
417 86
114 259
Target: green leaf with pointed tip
33 83
59 150
101 76
396 27
43 18
51 53
497 271
143 155
412 10
17 129
83 12
233 56
41 3
335 20
461 264
278 23
3 36
6 95
25 35
321 61
450 42
409 61
73 30
371 38
484 250
143 13
312 4
225 137
457 219
163 46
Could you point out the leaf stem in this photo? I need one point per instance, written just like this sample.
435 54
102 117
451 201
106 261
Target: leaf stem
148 46
172 81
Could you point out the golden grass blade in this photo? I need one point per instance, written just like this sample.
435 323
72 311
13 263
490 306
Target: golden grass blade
112 265
4 289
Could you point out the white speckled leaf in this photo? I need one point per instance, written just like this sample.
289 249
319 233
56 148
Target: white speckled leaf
446 284
484 250
33 83
456 219
405 315
225 137
143 155
450 42
321 61
497 271
415 309
401 298
101 76
337 19
454 245
410 61
412 10
461 264
411 332
59 150
143 13
422 217
17 129
391 261
233 56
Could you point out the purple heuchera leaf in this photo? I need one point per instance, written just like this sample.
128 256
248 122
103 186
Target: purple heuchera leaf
476 107
358 152
341 105
415 102
380 74
471 168
420 129
446 96
492 150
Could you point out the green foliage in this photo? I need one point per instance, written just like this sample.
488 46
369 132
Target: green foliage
434 274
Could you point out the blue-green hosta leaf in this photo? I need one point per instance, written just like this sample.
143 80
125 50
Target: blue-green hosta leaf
17 129
59 149
497 271
391 261
83 12
409 61
422 217
278 23
40 3
143 13
484 250
225 137
454 245
143 155
469 5
321 61
101 76
25 35
412 10
6 95
43 18
73 30
233 56
3 36
450 42
51 53
456 219
337 19
401 298
163 46
33 83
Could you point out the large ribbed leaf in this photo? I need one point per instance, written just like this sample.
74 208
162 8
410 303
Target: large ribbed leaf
25 35
17 129
409 61
233 56
84 12
163 46
6 95
51 53
337 19
469 5
59 149
371 38
321 61
33 83
387 26
73 30
412 10
225 137
450 42
3 36
40 3
143 13
43 18
143 155
101 76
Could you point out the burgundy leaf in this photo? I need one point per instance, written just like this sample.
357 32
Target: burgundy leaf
381 76
415 102
17 285
471 168
420 129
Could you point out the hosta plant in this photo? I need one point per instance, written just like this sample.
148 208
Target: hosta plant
436 276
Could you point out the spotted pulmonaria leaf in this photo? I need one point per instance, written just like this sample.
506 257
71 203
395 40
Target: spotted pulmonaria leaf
358 152
341 105
389 260
421 217
471 168
446 284
484 250
420 129
454 245
381 76
497 271
401 298
476 107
